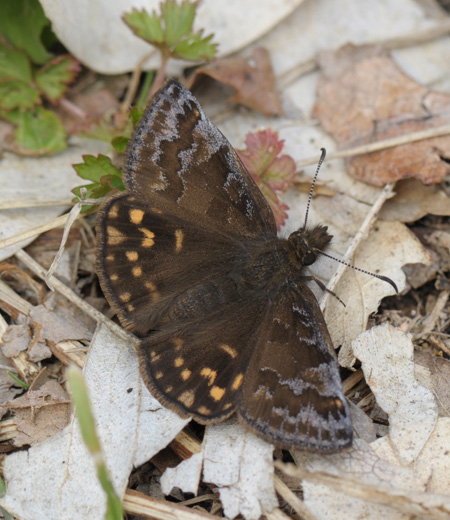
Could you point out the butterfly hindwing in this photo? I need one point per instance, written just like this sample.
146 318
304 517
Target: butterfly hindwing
295 398
197 366
180 162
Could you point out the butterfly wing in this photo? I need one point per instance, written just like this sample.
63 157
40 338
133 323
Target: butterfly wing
151 263
178 161
196 365
292 391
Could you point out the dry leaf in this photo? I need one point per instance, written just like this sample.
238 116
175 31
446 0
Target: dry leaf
413 201
16 339
363 97
253 79
185 476
60 320
240 465
386 356
40 414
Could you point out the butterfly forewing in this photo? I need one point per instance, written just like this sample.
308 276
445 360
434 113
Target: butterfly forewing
292 391
189 258
148 259
181 162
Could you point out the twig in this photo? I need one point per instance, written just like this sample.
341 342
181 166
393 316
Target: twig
381 145
386 193
297 505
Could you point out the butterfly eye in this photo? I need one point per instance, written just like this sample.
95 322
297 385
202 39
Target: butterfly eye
309 258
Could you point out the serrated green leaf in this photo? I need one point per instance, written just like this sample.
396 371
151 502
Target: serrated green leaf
146 26
22 23
41 131
15 94
172 32
94 168
178 20
195 48
120 143
14 65
56 75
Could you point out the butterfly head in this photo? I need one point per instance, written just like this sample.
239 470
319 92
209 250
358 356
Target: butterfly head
307 243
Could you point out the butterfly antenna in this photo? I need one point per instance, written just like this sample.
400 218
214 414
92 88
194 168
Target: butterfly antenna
379 276
322 158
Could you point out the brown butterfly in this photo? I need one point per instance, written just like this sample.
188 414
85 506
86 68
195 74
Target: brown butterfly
190 260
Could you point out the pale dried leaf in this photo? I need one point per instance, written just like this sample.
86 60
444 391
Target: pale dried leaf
387 249
240 466
414 200
387 357
185 476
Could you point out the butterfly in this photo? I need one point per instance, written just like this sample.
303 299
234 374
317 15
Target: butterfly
189 258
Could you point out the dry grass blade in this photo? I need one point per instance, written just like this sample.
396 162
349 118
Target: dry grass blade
141 505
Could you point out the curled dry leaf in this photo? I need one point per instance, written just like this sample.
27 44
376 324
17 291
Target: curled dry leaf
363 97
253 79
413 201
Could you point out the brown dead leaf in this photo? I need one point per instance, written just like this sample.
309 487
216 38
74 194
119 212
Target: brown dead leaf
363 97
16 339
47 325
41 413
413 201
253 79
439 370
60 321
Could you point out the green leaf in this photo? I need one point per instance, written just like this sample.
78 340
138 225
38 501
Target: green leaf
2 494
135 115
172 31
22 23
94 168
146 26
178 20
195 48
40 131
14 64
145 89
15 94
104 175
120 143
56 75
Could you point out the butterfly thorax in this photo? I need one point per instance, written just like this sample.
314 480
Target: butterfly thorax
306 243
